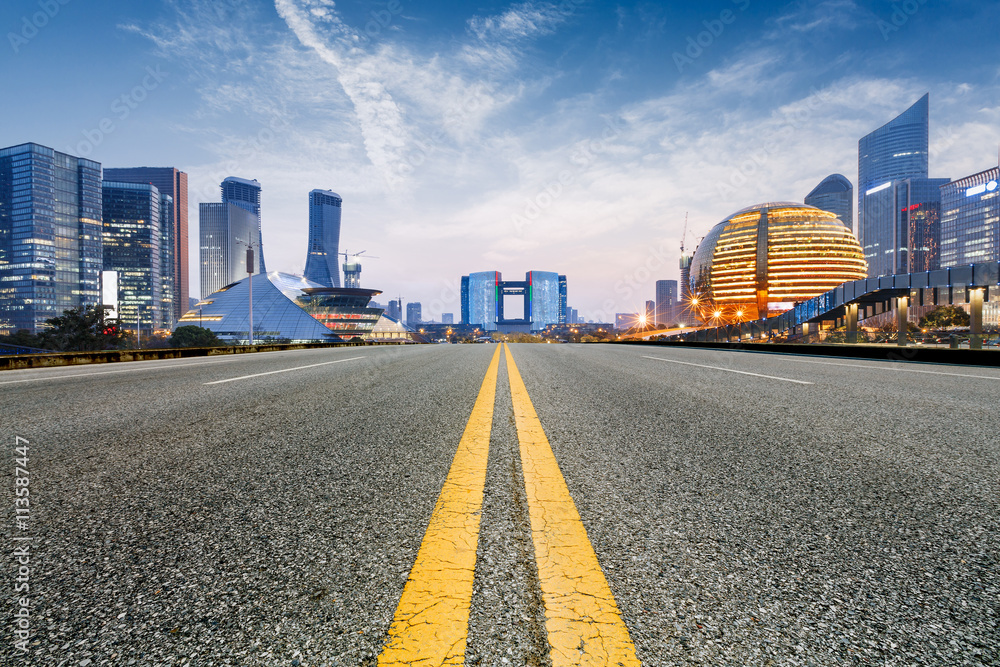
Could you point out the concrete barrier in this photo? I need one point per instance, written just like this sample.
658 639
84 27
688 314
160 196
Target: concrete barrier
21 361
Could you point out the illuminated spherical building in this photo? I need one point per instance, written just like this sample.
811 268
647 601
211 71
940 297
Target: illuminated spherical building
762 260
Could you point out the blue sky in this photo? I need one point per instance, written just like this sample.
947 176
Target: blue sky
567 136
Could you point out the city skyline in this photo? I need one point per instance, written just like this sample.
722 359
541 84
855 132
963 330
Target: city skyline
633 148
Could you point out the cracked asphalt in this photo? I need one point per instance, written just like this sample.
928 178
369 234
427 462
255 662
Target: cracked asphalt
738 519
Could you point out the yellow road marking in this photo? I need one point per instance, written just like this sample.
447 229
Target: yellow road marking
432 620
582 619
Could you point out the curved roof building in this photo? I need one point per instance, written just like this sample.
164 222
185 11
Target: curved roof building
765 258
285 307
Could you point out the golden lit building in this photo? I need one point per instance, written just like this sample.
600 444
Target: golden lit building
762 260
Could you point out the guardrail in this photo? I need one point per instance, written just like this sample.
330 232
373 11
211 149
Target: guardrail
114 356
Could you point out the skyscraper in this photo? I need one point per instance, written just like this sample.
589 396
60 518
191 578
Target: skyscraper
447 318
395 311
226 230
666 302
133 243
545 299
413 314
898 205
324 238
970 219
168 293
246 194
465 299
50 235
836 195
562 299
172 182
483 294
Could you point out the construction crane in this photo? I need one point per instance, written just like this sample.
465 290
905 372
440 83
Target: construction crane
352 270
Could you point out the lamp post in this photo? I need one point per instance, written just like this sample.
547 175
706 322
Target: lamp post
249 265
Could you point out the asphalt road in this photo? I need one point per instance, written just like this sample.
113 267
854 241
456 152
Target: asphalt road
745 509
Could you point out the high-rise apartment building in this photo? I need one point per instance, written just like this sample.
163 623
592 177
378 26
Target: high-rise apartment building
133 244
50 235
898 205
836 195
970 219
413 315
324 238
246 194
226 231
173 183
667 301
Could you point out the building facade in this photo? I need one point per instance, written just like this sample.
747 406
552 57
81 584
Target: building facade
563 299
667 301
543 293
171 183
447 318
324 238
898 205
464 296
765 258
970 219
133 243
226 230
50 235
413 314
834 194
245 194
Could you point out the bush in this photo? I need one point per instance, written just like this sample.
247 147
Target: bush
192 336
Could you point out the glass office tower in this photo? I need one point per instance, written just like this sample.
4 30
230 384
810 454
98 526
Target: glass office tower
168 268
50 235
226 229
892 173
171 183
667 300
563 300
544 299
836 195
245 194
483 290
132 238
970 219
324 238
465 299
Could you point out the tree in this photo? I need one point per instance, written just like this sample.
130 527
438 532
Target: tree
83 329
23 338
192 336
945 316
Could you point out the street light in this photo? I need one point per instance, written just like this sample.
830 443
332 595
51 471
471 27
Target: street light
249 266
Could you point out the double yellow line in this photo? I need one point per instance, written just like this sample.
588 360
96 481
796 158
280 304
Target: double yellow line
582 620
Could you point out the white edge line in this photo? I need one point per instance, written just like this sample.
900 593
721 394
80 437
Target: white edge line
888 367
284 370
192 362
729 370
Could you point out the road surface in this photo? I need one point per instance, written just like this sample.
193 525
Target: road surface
599 505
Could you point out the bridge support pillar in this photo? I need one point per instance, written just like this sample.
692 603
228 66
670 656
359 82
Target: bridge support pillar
902 306
852 322
976 318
